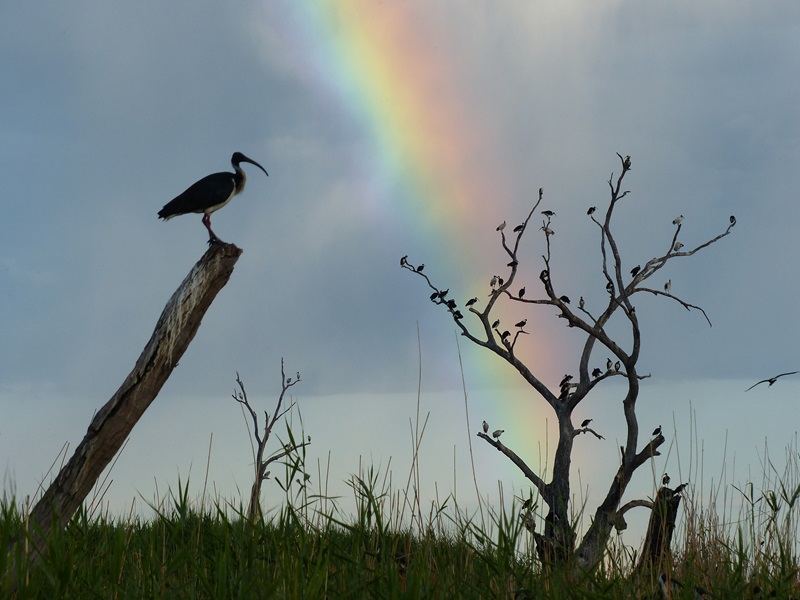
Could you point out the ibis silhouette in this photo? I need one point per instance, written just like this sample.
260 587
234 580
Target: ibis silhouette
210 194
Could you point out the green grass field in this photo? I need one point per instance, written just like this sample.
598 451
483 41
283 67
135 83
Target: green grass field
307 549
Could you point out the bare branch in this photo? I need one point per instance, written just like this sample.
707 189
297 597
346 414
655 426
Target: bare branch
588 430
521 464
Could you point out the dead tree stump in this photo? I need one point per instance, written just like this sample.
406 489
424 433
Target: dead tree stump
113 423
656 552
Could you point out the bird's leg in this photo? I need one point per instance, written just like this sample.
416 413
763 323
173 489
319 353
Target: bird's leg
212 237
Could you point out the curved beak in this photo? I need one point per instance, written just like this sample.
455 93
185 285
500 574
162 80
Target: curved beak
243 158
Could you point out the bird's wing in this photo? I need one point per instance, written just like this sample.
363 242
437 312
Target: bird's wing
755 384
210 191
789 373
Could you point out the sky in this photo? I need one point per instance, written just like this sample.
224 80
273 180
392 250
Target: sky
389 129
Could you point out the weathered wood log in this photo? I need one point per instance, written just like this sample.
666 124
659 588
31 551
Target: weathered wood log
656 552
113 423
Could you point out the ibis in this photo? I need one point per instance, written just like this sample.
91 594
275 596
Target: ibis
210 194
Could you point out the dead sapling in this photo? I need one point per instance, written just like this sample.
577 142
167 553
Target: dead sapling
261 435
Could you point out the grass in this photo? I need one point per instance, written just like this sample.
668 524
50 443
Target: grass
301 551
390 546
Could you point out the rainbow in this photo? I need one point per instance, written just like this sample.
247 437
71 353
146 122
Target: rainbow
430 170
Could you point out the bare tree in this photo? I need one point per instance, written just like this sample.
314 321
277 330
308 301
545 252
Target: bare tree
286 449
557 544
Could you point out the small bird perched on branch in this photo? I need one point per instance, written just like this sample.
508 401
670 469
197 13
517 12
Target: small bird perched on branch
677 220
497 433
771 380
501 226
485 427
668 286
657 431
586 422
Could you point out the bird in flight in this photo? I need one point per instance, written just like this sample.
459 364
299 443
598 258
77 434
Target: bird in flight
771 380
210 194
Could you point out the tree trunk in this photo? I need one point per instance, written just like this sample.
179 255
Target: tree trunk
111 426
